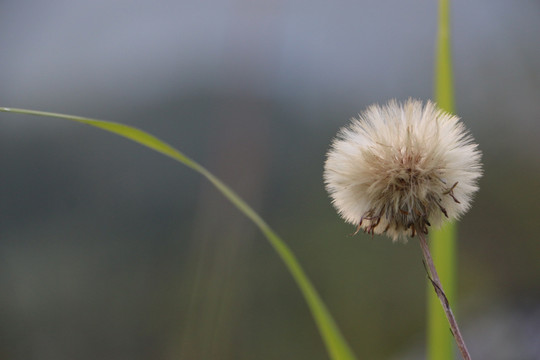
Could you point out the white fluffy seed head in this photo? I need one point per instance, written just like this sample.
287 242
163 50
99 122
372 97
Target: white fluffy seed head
400 168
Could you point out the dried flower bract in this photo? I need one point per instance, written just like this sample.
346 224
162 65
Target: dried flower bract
400 168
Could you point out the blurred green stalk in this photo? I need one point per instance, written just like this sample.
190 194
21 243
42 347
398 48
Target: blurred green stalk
440 342
337 347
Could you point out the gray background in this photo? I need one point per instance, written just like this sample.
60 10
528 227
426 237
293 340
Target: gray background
111 251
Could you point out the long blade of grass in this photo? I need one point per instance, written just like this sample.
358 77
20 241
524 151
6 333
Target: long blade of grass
337 347
440 343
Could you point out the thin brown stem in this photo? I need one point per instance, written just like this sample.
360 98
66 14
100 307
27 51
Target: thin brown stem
437 286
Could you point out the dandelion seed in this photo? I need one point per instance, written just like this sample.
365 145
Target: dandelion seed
401 168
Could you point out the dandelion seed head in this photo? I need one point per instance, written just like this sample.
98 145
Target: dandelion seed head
400 168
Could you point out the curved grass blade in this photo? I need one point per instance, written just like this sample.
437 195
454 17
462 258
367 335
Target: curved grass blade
335 343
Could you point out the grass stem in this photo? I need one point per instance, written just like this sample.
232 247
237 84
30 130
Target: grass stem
444 240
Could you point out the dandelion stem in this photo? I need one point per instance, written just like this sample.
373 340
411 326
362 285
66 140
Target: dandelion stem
437 286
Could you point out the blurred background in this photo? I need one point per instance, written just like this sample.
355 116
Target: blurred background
111 251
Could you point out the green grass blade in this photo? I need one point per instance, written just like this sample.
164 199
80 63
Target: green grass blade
444 85
443 249
334 341
440 343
